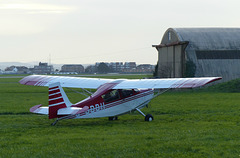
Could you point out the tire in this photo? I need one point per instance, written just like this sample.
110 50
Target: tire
148 117
113 118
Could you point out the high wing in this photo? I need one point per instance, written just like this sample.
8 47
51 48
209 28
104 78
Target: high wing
73 82
79 82
166 83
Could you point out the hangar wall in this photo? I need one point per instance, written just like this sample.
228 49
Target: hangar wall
171 61
214 51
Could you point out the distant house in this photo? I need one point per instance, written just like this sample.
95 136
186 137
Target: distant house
127 67
42 68
143 68
119 66
75 68
91 69
10 68
130 65
17 70
116 66
147 68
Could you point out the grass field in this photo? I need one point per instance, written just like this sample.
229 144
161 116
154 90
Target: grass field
186 124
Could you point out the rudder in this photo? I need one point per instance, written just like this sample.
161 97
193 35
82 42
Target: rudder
57 99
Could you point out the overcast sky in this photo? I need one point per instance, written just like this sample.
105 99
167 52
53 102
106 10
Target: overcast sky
89 31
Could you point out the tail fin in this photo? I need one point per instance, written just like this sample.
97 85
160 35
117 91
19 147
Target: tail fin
57 99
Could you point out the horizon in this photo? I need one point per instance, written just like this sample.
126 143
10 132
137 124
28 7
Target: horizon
4 65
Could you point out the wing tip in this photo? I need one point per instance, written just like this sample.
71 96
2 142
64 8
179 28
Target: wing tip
34 108
214 79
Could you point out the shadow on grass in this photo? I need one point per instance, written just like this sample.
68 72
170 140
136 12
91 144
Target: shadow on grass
18 113
98 122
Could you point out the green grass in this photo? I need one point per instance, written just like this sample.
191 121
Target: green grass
186 124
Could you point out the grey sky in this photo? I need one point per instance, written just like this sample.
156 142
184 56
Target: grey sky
89 31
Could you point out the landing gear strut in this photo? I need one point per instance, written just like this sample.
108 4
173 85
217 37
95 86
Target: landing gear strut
148 117
54 123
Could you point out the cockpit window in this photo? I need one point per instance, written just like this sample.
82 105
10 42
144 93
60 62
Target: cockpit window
111 96
136 91
127 93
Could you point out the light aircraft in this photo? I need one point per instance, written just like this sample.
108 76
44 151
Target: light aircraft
112 98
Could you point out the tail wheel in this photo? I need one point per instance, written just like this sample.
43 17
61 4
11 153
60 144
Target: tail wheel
148 117
112 118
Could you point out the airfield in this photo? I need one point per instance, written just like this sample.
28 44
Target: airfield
201 122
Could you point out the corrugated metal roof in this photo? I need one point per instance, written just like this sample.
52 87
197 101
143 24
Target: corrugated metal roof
209 38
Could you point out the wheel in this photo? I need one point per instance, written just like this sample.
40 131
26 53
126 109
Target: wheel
113 118
148 117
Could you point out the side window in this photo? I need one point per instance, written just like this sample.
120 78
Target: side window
127 93
111 96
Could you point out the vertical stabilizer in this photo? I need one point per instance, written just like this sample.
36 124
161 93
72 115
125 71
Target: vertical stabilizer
57 99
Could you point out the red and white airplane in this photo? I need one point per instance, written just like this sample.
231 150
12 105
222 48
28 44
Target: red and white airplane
112 98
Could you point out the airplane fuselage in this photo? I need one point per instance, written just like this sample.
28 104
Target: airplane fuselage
118 107
108 102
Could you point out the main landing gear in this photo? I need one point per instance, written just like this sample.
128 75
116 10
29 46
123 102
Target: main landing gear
113 118
148 117
55 122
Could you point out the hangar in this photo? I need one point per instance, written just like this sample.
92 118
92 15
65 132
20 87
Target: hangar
199 52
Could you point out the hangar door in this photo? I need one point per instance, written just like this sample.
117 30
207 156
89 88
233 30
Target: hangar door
171 60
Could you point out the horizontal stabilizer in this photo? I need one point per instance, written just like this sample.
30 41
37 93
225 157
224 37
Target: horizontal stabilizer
39 110
64 111
72 110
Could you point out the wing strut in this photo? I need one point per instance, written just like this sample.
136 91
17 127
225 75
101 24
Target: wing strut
81 92
55 122
159 91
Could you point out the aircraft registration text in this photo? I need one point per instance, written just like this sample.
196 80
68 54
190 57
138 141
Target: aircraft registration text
95 108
